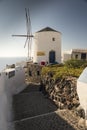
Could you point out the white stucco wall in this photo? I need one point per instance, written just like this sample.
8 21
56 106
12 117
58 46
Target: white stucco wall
43 43
9 87
3 104
16 83
82 89
66 56
82 93
72 54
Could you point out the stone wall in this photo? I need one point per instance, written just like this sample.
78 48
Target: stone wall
62 91
64 94
33 72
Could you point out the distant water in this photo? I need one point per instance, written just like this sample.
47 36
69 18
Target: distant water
10 60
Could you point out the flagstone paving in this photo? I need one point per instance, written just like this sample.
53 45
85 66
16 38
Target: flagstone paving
34 111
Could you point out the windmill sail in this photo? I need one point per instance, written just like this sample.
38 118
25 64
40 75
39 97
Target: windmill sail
29 35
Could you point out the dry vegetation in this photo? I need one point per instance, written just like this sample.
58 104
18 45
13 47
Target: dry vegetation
70 68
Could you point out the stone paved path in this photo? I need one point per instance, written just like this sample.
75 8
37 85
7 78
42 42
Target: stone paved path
34 111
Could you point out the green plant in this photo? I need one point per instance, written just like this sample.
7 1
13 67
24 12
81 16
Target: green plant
62 71
75 63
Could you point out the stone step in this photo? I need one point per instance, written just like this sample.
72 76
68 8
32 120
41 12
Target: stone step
50 121
34 111
31 87
31 104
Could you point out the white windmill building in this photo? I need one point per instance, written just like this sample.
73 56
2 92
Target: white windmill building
47 46
47 43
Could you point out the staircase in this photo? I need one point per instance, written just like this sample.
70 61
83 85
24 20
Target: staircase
34 111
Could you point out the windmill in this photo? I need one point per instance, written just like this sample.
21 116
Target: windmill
29 35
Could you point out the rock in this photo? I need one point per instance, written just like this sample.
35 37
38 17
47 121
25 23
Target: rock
81 122
80 112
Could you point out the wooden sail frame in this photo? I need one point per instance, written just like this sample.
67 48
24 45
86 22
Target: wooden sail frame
29 35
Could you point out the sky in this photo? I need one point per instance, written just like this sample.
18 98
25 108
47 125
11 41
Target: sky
67 16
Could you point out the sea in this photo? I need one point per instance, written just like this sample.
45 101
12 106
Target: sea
9 61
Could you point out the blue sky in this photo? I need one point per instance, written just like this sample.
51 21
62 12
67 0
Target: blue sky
67 16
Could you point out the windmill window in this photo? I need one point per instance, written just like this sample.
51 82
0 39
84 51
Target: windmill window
53 39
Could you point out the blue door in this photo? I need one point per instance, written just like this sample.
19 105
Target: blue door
52 57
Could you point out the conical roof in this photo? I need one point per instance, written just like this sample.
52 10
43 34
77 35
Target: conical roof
47 29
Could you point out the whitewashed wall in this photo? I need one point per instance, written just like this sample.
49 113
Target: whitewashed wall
9 87
43 42
66 56
82 90
3 105
82 93
15 83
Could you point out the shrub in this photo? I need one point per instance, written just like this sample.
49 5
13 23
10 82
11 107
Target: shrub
62 71
75 63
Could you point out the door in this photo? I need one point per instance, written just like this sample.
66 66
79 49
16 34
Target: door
52 57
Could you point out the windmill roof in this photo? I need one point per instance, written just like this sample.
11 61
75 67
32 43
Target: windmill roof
47 29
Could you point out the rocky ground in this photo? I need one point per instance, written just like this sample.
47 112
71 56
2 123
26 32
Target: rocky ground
35 111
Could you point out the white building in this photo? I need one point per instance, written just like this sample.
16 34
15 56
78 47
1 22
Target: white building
47 46
80 54
12 81
82 91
